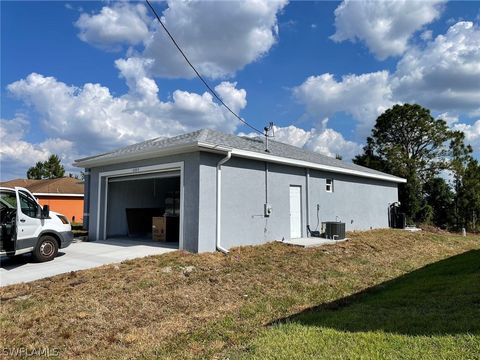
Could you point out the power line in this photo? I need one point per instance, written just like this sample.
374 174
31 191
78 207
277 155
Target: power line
212 91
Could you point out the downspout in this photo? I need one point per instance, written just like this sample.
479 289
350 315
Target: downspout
308 198
219 202
86 199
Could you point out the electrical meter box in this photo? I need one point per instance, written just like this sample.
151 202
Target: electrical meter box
267 209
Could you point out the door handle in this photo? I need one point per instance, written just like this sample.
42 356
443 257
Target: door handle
22 220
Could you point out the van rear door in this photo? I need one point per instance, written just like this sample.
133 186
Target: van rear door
8 220
29 222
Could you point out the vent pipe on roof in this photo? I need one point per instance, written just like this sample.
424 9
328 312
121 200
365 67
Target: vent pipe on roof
267 129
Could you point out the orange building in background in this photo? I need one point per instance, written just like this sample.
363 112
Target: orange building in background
62 195
71 207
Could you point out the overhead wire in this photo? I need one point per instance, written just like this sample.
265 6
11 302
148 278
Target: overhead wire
209 88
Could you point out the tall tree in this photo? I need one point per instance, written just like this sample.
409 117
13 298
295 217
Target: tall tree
53 167
470 194
370 159
408 142
460 159
440 198
36 172
49 169
467 195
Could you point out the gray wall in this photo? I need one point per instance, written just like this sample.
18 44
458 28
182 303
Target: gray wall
146 193
244 196
365 201
359 202
207 218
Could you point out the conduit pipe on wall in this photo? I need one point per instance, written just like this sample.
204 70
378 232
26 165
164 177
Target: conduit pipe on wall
86 199
307 186
266 182
219 202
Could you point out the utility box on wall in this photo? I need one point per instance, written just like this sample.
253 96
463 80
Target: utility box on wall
267 210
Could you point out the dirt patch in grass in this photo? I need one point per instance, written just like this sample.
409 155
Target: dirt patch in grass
181 305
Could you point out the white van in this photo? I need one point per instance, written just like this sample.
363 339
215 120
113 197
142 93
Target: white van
27 227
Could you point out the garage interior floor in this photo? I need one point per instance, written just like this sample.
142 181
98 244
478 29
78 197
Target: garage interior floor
128 241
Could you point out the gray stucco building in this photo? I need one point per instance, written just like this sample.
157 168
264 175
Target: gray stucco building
231 191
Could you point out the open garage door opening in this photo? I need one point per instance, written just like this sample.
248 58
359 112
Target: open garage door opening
144 207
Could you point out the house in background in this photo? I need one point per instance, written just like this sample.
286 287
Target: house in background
230 191
63 195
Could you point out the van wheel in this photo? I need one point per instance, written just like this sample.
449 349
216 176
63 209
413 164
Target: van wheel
46 249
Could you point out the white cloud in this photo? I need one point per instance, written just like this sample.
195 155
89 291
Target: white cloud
71 7
384 26
449 118
330 142
362 96
219 37
324 141
17 154
426 35
472 134
12 145
113 26
134 71
94 120
291 135
236 99
445 75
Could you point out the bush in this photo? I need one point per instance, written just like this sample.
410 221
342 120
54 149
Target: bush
77 226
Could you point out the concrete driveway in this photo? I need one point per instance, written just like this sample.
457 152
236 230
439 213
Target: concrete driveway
78 256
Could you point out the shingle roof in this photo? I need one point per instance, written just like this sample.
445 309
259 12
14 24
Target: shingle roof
149 145
65 185
215 138
18 182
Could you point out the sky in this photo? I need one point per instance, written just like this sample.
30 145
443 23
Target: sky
81 78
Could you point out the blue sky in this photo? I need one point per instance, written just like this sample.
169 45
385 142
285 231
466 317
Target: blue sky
78 78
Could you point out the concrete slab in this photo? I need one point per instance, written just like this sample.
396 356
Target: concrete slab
79 256
412 228
311 242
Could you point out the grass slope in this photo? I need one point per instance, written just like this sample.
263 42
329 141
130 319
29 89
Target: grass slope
182 305
430 313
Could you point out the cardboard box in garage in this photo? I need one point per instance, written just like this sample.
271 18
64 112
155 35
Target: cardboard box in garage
158 229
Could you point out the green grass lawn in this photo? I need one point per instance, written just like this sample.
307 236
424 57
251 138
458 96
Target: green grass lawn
430 313
382 294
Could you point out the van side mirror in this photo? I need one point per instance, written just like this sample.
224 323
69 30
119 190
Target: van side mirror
45 211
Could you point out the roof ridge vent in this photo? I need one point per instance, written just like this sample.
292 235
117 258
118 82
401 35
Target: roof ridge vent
203 134
255 139
154 140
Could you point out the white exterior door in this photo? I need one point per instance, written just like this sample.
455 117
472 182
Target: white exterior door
295 212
